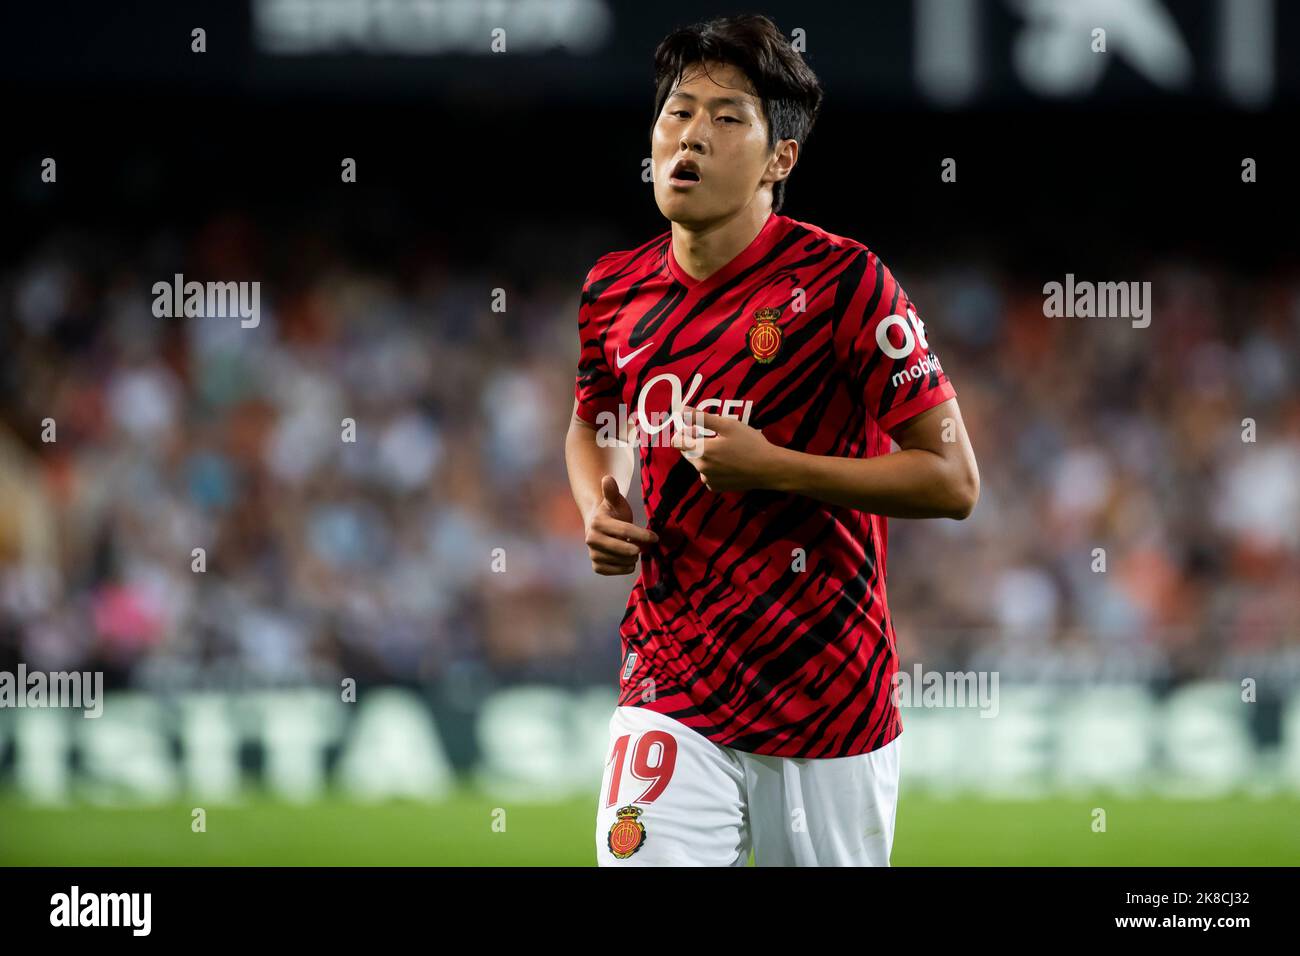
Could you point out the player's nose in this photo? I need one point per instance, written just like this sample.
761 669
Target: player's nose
695 135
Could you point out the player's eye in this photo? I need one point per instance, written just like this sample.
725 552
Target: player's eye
678 113
729 119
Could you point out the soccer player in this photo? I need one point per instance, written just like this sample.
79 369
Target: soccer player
761 367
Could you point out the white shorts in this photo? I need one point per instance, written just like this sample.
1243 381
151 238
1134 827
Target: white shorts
672 797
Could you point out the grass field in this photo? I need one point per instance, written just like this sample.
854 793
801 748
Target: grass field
458 832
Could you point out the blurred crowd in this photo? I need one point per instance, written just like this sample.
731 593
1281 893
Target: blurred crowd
1140 508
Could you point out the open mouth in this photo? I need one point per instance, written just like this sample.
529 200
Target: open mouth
684 173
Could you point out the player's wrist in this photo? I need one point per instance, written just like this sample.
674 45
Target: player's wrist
783 469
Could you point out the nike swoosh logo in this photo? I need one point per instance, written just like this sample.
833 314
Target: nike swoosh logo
621 360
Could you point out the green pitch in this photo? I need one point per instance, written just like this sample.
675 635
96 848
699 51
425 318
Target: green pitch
459 832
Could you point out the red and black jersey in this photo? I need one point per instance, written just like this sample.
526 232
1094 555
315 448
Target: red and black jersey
759 618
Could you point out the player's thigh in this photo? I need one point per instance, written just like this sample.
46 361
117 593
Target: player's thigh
823 812
669 797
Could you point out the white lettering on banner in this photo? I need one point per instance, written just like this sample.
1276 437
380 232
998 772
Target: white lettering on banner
542 742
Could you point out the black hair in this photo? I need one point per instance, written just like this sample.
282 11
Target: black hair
789 91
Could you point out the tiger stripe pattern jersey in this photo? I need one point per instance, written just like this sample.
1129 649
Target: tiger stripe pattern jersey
759 618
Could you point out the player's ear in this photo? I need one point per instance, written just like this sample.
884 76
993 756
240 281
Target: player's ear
783 160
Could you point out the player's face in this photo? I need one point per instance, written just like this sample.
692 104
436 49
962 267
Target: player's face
714 121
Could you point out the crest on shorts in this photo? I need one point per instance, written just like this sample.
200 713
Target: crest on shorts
765 335
627 833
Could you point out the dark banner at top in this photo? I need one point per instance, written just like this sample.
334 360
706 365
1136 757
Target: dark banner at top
946 54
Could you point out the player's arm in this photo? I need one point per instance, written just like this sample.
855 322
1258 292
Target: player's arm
589 459
882 344
599 476
883 341
932 475
600 464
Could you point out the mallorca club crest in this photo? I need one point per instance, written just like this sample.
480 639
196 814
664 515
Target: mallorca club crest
627 833
765 334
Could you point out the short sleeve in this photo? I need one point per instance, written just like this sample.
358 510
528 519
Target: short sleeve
886 348
595 387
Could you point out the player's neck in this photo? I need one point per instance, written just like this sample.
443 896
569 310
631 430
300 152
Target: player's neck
703 251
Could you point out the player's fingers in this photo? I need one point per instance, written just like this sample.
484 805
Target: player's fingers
607 513
694 454
707 423
609 488
622 530
605 566
614 560
626 530
604 545
688 445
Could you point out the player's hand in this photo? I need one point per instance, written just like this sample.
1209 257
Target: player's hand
613 541
729 455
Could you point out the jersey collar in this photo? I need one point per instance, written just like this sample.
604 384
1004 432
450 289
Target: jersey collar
758 247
